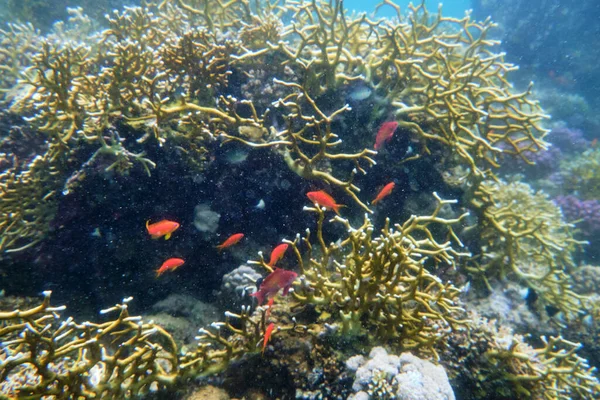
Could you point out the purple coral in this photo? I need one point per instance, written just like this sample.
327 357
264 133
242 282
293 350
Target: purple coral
563 141
546 160
568 140
588 211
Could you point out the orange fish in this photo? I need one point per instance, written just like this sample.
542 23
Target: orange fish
385 133
162 228
595 143
278 279
170 265
231 240
269 305
386 191
325 200
268 332
277 253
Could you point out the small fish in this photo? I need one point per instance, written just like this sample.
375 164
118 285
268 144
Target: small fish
236 156
360 93
231 240
268 333
269 306
386 191
595 143
260 205
277 253
325 200
385 133
276 280
170 265
162 228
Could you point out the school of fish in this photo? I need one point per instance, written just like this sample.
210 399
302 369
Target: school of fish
279 279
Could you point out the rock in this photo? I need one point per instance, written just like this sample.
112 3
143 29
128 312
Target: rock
182 315
208 393
206 220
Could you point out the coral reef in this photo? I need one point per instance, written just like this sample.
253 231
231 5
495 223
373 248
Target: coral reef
542 372
18 42
509 304
209 92
29 201
43 355
182 316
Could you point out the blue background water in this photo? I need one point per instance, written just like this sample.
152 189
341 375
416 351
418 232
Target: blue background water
455 8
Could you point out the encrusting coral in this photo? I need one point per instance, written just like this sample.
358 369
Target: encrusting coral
580 174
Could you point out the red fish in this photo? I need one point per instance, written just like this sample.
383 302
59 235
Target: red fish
162 228
325 200
268 332
277 254
170 265
231 240
385 133
278 279
269 306
386 191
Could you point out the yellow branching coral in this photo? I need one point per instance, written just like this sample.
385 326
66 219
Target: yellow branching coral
326 46
56 84
222 342
524 237
492 360
449 87
308 141
29 201
18 43
385 283
551 372
161 68
198 64
45 356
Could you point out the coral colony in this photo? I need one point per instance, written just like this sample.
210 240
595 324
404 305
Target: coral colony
158 77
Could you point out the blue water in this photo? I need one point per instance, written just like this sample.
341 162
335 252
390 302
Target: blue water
455 8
